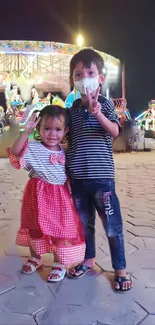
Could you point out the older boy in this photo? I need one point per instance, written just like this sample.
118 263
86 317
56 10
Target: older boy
93 124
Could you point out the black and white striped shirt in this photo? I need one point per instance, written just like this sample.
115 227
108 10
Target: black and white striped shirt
89 153
37 160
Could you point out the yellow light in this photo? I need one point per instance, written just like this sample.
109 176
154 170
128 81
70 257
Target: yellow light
80 40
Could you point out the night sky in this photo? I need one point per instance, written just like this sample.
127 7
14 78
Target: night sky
124 29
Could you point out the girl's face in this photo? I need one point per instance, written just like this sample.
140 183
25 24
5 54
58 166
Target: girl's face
52 131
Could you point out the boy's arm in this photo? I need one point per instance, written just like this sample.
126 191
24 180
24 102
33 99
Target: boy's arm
110 127
108 120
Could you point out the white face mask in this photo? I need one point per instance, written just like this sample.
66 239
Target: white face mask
90 83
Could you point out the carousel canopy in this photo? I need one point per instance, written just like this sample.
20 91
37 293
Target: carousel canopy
43 64
37 47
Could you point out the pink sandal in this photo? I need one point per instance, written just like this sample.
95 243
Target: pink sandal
33 264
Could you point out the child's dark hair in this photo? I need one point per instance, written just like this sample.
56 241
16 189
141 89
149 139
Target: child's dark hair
36 111
55 111
87 56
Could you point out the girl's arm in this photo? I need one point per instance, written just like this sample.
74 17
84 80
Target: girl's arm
18 146
68 182
69 186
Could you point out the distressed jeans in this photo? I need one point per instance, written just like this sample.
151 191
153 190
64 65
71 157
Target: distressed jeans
99 194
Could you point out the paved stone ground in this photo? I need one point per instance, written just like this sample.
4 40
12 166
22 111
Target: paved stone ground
29 300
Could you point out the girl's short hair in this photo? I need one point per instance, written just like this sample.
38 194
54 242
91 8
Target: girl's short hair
87 56
55 111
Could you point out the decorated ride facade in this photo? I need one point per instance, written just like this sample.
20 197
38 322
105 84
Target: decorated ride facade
31 73
31 69
147 118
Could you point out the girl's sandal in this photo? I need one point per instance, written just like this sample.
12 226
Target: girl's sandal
57 273
32 264
122 283
79 271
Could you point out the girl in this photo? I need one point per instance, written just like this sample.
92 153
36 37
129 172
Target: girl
49 220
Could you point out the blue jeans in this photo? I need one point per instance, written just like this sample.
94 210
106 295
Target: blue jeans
99 194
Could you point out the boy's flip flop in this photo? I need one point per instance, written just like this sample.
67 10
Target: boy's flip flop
83 269
119 282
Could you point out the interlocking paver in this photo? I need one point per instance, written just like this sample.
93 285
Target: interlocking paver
143 231
90 300
150 320
149 243
104 313
138 242
26 299
146 276
139 214
16 319
146 299
99 306
140 222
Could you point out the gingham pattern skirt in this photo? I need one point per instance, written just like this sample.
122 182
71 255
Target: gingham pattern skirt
50 222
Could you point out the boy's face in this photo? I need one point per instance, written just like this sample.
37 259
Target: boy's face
81 72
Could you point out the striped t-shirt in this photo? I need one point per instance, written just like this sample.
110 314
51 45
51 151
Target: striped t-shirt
89 153
44 163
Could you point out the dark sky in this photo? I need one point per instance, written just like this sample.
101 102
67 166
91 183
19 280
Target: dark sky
122 28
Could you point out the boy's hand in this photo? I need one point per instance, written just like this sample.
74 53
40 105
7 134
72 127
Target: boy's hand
32 123
94 105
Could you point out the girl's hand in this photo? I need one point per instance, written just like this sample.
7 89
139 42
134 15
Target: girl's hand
69 186
94 105
32 123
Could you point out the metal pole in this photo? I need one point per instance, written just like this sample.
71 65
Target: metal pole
123 81
18 64
123 90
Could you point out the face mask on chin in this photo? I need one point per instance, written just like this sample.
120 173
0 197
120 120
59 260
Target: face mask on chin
87 83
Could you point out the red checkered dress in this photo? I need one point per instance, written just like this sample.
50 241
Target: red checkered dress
49 219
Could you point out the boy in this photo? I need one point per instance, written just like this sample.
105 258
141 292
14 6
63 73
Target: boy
90 164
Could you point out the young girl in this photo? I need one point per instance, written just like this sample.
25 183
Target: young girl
49 220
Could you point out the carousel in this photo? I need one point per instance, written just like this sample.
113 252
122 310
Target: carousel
34 74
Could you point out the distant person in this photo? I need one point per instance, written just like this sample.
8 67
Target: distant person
93 124
1 120
34 96
49 219
133 139
141 138
3 101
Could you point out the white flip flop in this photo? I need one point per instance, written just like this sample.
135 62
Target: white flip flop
59 270
33 267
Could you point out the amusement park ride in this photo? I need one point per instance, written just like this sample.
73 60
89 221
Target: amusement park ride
31 73
147 118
